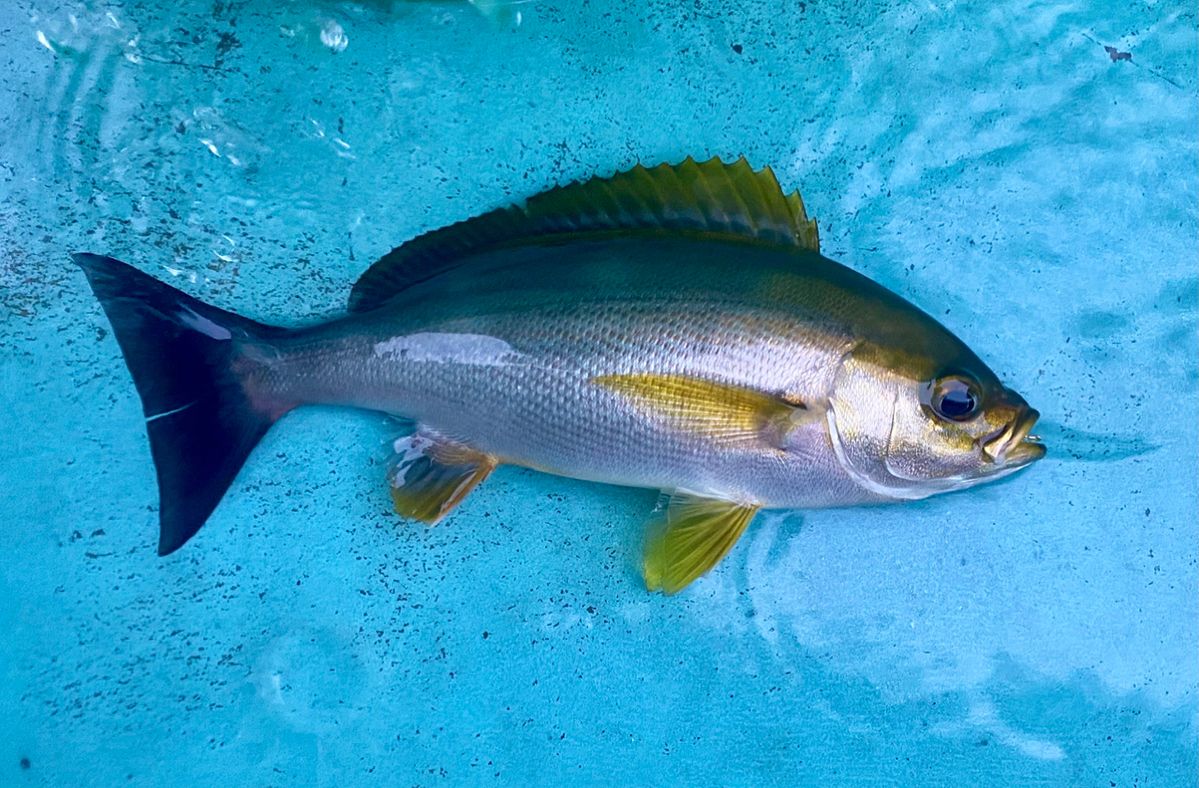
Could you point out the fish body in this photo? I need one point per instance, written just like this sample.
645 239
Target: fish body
622 331
504 355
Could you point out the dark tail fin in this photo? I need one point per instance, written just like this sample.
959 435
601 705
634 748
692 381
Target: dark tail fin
183 355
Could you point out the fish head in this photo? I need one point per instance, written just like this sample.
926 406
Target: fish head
912 423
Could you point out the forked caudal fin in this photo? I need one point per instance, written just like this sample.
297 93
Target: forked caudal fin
184 357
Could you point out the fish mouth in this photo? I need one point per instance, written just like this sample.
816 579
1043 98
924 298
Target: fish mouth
1014 446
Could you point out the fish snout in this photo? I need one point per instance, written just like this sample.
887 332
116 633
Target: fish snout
1014 445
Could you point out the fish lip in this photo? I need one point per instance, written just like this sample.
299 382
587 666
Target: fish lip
1013 446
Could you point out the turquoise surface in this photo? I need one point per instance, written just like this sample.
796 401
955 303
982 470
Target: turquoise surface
993 162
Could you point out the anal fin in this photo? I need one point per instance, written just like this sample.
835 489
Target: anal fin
689 536
430 475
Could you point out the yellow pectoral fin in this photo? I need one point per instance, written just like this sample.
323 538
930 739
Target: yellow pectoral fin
429 476
725 413
690 537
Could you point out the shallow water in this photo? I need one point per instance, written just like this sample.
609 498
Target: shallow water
993 162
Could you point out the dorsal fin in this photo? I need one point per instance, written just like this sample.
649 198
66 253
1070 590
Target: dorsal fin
713 198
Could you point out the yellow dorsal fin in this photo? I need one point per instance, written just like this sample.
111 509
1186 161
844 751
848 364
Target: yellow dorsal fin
712 198
430 475
723 412
689 537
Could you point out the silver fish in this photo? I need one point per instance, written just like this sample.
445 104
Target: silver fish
674 328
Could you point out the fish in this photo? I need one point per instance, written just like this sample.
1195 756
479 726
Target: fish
673 328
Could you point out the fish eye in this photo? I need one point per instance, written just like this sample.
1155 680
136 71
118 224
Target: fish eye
955 398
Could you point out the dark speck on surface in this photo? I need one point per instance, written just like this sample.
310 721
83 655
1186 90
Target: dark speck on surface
1116 55
25 764
738 48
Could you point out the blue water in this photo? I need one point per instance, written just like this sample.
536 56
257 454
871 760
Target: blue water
992 162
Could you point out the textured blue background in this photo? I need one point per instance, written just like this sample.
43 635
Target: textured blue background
990 161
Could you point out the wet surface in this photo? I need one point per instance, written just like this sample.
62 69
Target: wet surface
997 165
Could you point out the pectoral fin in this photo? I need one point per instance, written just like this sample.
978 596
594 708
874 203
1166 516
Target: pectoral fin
726 413
689 537
430 475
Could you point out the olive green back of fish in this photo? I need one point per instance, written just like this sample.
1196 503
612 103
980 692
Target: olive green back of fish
709 199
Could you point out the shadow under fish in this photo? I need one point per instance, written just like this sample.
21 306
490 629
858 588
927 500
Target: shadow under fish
1086 446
